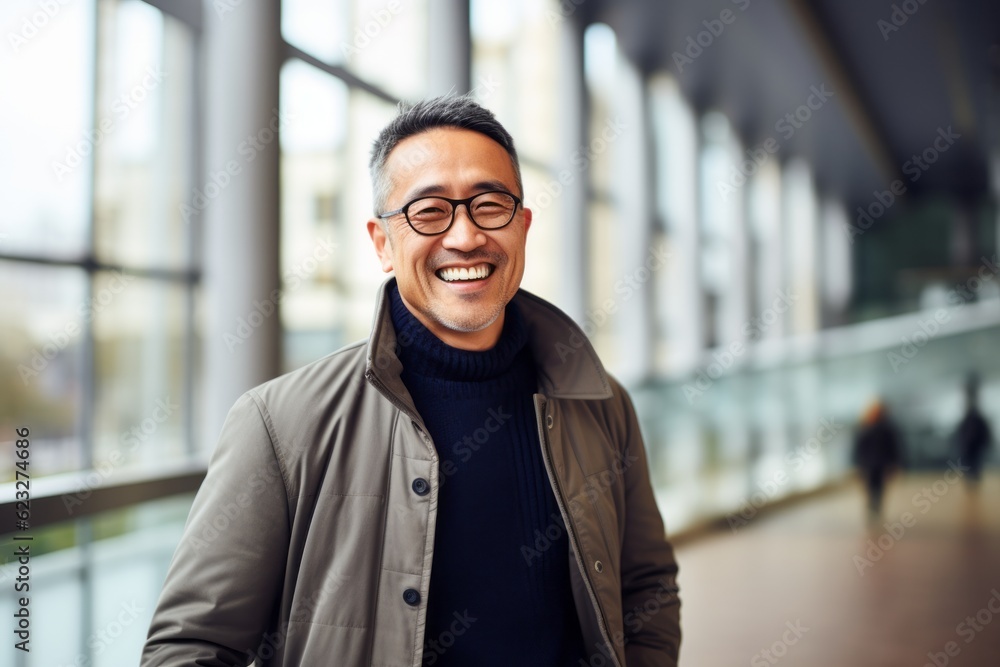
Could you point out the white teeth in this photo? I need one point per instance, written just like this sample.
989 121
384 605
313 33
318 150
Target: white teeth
461 273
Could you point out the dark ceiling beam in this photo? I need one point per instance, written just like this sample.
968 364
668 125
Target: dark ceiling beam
833 58
956 74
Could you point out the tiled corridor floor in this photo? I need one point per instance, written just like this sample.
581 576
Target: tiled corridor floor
814 586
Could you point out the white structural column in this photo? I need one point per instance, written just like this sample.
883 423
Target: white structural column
765 210
573 112
240 219
838 273
675 141
734 310
799 212
449 47
630 156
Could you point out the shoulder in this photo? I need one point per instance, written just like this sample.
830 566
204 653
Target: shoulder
293 405
343 367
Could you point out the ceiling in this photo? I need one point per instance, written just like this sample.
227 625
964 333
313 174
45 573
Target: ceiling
899 81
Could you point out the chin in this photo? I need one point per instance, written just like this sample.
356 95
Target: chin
468 324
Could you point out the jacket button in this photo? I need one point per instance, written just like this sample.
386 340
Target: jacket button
411 596
599 566
549 421
421 487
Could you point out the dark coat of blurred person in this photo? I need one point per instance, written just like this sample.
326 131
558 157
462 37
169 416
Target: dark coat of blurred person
877 453
972 438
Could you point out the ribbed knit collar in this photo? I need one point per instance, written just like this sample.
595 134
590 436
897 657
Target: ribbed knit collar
424 354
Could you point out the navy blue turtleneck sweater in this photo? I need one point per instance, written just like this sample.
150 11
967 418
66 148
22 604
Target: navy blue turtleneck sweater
500 590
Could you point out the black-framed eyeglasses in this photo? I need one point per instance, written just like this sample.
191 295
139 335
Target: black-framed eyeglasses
434 215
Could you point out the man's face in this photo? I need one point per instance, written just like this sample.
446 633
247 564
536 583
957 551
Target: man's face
452 163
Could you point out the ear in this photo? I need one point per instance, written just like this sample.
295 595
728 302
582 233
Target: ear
527 219
382 243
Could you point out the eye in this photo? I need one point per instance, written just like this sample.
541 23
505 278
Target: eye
429 209
493 202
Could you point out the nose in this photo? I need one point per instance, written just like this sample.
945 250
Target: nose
463 235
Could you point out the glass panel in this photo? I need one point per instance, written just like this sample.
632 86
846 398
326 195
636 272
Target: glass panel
48 136
8 654
312 175
56 602
93 594
144 166
128 567
387 45
329 269
317 27
600 51
365 37
515 57
361 272
600 58
45 314
542 273
138 359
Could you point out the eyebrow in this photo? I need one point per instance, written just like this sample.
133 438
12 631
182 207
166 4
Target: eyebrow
437 189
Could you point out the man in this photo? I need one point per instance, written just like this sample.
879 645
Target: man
466 487
973 436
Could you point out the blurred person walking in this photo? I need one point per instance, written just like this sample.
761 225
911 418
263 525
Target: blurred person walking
972 437
877 453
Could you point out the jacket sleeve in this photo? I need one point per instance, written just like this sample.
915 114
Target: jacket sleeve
226 576
650 602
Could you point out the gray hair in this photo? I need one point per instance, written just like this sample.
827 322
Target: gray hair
461 112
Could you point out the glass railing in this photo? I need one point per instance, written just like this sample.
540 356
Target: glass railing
723 443
745 430
92 585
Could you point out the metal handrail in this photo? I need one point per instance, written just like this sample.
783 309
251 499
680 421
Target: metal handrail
58 498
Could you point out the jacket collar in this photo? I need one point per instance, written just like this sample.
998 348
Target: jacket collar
568 366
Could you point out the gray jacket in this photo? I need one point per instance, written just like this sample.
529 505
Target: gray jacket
310 541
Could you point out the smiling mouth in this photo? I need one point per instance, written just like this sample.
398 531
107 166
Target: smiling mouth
455 274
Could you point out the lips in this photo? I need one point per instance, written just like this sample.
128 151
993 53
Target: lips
462 273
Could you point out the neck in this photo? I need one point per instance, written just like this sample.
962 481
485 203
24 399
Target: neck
424 354
470 341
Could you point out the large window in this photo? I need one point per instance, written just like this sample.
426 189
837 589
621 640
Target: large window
98 337
97 267
380 42
329 269
600 64
337 97
516 57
